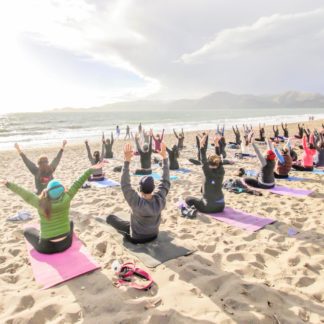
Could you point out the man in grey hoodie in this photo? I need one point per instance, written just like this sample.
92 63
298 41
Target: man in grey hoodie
146 205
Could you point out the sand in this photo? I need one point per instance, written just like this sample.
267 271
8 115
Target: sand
235 276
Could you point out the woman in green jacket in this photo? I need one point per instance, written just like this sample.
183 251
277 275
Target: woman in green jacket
53 206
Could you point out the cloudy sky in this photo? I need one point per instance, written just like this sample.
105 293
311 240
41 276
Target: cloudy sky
82 53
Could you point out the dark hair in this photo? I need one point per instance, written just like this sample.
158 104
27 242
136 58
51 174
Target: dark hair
45 204
96 155
311 146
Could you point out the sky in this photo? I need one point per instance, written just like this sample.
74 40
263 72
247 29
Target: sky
84 53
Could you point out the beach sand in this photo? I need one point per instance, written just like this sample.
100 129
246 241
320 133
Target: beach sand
235 276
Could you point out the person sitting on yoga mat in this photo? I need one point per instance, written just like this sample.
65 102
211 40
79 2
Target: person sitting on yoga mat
173 157
97 175
146 206
53 206
237 134
319 145
145 156
108 144
276 137
283 163
43 173
300 131
261 134
285 130
306 163
212 200
157 141
265 178
180 138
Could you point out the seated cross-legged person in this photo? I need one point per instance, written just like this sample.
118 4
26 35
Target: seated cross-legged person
212 200
146 205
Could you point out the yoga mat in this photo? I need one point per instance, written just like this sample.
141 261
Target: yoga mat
104 183
281 190
251 173
52 269
241 219
294 179
157 176
153 253
183 170
318 171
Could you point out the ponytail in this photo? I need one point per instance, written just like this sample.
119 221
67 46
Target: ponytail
45 204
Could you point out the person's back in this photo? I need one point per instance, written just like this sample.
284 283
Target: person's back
284 168
173 157
146 206
53 207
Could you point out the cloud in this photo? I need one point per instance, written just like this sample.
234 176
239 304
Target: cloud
283 32
184 48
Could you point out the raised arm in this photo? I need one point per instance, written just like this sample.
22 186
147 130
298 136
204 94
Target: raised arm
29 197
58 157
150 144
130 194
78 183
262 160
31 166
138 147
112 139
175 134
89 152
162 135
279 156
164 186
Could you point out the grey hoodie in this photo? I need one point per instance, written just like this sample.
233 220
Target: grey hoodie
146 214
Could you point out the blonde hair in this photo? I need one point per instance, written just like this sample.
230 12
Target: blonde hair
214 160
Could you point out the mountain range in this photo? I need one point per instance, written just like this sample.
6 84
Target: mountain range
222 100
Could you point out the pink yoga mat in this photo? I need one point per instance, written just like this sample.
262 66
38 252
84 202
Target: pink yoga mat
52 269
241 219
281 190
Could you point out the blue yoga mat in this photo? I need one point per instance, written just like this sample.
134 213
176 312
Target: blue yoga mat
183 170
157 176
318 171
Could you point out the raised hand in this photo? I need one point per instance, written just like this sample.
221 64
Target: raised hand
203 141
151 132
4 182
17 147
86 141
163 151
64 143
128 152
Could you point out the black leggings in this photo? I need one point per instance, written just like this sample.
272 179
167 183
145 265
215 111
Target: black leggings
143 171
302 168
280 176
253 182
204 207
45 245
123 227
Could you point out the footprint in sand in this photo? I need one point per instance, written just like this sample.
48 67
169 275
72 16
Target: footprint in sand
293 261
305 282
25 302
235 257
272 252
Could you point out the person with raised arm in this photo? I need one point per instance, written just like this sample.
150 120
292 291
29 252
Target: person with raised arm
146 205
108 144
98 174
180 137
145 153
212 200
53 206
43 171
157 141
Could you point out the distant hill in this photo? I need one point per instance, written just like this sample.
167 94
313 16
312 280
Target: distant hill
222 100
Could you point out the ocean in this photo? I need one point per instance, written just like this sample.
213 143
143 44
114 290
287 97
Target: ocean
50 128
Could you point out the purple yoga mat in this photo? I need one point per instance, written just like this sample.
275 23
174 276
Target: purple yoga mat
51 269
281 190
241 219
